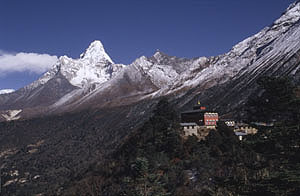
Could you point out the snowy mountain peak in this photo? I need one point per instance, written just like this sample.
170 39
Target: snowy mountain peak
96 53
142 62
162 58
93 68
159 56
63 60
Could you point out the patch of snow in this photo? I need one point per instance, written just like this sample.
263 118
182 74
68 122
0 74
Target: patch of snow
6 91
22 180
38 144
31 151
12 115
36 177
8 152
9 182
291 15
68 98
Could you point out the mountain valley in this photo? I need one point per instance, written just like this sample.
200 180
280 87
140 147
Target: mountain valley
58 130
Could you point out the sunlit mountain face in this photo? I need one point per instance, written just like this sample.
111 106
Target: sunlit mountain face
56 132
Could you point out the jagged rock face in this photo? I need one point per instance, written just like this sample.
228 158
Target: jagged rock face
165 70
94 67
142 79
279 39
129 86
231 79
94 80
42 95
75 141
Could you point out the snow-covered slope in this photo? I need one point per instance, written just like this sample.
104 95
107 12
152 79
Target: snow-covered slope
273 44
268 52
144 77
12 115
92 68
162 69
231 78
95 80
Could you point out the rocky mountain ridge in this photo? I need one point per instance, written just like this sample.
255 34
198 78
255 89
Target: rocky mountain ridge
46 154
94 80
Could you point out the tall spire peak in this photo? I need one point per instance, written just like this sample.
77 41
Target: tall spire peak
96 52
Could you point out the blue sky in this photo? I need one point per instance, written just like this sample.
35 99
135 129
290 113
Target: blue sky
128 29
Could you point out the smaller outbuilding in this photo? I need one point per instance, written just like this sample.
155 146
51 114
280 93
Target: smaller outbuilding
229 123
245 128
190 129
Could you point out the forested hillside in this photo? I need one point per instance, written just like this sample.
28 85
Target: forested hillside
157 161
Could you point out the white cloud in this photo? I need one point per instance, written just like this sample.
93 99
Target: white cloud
19 62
